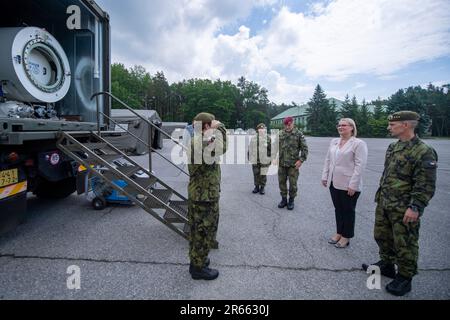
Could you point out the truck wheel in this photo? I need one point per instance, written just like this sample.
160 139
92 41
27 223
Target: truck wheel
55 190
98 203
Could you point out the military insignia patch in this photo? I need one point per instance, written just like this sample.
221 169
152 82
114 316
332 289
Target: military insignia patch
430 164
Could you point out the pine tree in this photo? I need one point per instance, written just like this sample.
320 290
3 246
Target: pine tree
364 117
321 116
379 111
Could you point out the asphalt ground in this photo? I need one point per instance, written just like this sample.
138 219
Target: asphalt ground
265 252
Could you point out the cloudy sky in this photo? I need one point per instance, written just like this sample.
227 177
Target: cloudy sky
366 48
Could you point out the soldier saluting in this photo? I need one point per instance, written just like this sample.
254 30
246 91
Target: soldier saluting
207 145
406 186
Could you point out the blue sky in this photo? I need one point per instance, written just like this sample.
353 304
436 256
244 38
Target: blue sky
366 48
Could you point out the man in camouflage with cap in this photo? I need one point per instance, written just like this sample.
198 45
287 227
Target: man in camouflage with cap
259 152
207 145
406 186
293 151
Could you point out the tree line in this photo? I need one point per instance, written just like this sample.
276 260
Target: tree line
246 103
432 104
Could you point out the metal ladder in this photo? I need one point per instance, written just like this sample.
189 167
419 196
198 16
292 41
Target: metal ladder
143 188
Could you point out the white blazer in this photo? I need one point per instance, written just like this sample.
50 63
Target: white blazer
347 168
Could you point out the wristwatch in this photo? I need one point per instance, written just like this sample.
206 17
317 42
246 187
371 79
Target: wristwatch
414 208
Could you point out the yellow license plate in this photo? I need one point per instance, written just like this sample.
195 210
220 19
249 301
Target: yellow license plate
8 177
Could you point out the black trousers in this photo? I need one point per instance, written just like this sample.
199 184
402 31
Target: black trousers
344 206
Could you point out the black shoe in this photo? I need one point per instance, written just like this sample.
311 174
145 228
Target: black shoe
256 190
341 246
283 203
204 273
399 286
191 266
331 241
290 204
386 269
261 190
215 245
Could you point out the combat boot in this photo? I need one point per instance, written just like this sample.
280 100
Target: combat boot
204 273
290 204
256 190
399 286
283 203
261 190
191 266
386 269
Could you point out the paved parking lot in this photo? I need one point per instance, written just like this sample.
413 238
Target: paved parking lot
265 252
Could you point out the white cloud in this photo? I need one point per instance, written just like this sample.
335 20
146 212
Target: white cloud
359 85
282 91
176 36
347 37
335 39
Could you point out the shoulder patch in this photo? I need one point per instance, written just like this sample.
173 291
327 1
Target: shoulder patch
429 164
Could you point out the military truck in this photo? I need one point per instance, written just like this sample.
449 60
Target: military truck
55 116
54 55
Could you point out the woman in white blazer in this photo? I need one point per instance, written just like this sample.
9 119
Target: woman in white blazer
342 173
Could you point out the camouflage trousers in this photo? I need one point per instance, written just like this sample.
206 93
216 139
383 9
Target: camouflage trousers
259 174
398 243
285 173
203 222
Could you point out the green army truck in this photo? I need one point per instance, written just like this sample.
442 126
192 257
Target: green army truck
54 55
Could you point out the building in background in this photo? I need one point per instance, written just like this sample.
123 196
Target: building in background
300 115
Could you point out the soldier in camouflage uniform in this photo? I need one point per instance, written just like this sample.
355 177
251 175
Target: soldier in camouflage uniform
293 151
207 145
259 152
406 186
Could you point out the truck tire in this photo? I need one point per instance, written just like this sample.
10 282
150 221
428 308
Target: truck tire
55 190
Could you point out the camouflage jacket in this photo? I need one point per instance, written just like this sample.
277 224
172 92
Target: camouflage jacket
291 147
409 176
256 156
205 175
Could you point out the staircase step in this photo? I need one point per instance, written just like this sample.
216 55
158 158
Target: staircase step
129 170
186 229
162 194
111 157
171 217
105 157
179 206
91 146
145 183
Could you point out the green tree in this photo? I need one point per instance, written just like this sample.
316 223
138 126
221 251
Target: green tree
158 95
412 99
201 95
379 110
129 85
321 117
378 127
363 122
253 104
349 109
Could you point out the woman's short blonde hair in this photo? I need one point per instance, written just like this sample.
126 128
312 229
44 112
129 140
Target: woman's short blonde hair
352 123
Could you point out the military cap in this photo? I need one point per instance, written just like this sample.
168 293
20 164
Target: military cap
260 126
288 120
205 117
404 116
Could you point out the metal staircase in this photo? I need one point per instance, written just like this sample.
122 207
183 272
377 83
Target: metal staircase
104 161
